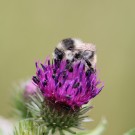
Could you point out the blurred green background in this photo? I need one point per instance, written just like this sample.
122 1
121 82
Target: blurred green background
30 29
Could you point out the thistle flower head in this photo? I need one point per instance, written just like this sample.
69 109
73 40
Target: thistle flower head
72 87
22 91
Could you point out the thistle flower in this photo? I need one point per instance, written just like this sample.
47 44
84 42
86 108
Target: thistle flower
29 88
64 92
22 92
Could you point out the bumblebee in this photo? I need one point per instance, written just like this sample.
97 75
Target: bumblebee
72 50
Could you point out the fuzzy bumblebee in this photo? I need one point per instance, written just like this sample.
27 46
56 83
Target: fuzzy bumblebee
72 49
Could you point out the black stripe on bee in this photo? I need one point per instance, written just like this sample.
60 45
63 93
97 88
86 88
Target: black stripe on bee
78 55
68 44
